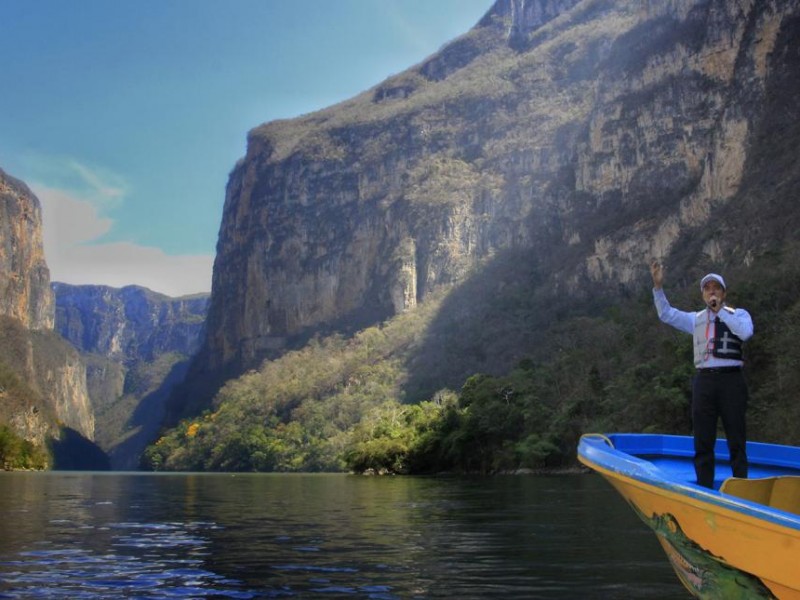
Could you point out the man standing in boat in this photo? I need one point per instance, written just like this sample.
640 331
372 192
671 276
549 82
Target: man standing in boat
718 388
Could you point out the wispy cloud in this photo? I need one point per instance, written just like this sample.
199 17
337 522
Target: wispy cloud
73 224
103 187
93 184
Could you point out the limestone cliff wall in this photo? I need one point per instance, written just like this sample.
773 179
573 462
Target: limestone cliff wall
130 323
136 343
596 135
24 277
62 380
48 367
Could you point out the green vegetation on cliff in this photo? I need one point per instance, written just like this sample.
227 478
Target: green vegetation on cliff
355 403
296 413
15 451
18 398
18 453
554 171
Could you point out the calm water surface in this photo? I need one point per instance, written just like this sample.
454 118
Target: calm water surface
86 535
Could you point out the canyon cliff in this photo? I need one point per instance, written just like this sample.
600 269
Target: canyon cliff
130 323
136 344
584 138
44 380
24 277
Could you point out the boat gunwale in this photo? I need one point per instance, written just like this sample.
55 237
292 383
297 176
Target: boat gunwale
593 448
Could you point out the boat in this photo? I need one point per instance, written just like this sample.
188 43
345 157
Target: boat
740 539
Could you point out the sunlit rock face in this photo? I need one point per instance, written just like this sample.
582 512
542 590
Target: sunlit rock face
595 135
24 277
527 16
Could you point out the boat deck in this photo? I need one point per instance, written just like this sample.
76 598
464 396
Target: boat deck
672 455
680 469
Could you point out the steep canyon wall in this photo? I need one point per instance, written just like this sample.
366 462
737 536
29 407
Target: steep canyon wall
592 135
136 344
31 350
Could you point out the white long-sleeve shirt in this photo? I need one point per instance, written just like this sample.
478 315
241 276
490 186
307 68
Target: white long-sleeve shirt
738 321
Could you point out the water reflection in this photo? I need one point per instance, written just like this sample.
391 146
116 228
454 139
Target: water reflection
256 536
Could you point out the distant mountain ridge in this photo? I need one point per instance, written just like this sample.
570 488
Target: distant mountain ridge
128 323
588 137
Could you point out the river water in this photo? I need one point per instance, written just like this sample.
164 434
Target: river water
107 535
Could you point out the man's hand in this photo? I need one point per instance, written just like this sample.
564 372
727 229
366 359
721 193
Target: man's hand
657 271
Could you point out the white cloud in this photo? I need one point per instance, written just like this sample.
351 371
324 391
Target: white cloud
70 226
68 221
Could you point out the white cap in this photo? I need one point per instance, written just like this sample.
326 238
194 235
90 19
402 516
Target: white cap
712 277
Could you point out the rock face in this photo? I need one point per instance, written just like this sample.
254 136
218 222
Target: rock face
24 277
52 374
130 323
595 135
136 344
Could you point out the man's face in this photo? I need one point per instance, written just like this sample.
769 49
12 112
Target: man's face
713 295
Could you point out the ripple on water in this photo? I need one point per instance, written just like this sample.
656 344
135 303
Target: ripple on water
170 567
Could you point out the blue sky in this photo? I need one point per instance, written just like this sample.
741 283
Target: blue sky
126 116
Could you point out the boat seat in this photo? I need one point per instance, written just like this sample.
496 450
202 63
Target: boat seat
781 492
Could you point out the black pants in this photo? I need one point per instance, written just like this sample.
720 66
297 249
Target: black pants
717 395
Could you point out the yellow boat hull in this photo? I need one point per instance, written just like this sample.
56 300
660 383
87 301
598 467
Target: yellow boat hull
718 547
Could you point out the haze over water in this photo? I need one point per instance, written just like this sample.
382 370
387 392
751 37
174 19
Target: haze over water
84 535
